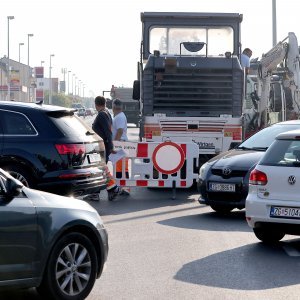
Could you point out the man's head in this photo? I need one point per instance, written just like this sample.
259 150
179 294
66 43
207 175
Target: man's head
117 106
248 52
100 103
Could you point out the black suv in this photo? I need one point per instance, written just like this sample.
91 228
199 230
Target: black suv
49 148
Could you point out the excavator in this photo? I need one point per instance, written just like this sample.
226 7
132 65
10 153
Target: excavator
275 86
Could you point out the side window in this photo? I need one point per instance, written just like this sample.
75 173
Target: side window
16 124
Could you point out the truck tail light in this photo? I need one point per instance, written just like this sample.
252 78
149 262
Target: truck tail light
65 149
258 178
151 131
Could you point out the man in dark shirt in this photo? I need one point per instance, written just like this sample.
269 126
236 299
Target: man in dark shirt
103 127
103 124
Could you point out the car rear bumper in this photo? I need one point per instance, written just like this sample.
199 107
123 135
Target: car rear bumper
74 187
258 213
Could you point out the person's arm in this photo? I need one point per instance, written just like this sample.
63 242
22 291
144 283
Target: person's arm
119 134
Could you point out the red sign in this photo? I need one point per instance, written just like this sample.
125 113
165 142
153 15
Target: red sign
39 95
39 72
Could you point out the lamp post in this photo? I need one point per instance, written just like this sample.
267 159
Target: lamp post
8 71
50 81
73 86
20 44
274 22
69 82
29 35
42 62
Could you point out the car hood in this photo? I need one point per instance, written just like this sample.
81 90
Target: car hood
44 199
237 158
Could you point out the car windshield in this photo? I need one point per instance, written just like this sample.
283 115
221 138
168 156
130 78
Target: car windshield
264 138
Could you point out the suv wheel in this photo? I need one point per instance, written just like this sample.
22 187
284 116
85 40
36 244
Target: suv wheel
222 209
267 235
21 174
71 270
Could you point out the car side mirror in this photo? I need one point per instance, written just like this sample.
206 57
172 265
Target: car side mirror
136 90
10 188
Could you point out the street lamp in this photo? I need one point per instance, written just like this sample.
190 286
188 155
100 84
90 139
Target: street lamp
73 86
8 71
50 81
20 44
29 35
69 82
42 61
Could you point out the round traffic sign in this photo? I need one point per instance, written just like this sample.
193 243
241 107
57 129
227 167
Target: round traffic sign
168 158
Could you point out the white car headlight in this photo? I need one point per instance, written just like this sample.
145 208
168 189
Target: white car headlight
203 170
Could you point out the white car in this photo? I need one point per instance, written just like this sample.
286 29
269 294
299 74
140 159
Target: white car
273 201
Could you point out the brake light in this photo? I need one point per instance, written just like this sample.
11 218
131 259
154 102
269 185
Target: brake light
64 149
258 178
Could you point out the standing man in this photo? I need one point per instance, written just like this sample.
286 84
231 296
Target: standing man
119 133
245 60
103 127
102 124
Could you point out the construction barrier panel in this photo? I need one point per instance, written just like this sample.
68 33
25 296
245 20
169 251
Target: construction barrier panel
152 164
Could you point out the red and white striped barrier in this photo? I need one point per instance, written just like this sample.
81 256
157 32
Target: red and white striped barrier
154 164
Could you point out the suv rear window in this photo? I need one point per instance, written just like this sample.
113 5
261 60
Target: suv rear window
284 153
70 124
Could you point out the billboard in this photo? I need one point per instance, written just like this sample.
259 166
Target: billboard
39 72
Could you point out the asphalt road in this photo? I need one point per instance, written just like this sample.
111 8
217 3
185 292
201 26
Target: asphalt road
178 249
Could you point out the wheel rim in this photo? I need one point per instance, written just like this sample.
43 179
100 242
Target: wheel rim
20 177
73 269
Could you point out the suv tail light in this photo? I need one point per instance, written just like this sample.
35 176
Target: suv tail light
258 178
76 149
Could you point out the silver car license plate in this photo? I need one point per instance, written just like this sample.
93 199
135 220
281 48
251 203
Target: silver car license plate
221 187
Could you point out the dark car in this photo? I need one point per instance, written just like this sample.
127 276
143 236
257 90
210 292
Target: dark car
51 149
57 244
223 180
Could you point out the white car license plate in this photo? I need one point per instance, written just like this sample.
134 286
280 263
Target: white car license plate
285 212
221 187
94 157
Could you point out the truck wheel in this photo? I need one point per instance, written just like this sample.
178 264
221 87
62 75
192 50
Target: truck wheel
71 270
222 209
268 236
21 174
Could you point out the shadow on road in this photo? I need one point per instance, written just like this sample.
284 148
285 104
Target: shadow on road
144 199
235 221
260 266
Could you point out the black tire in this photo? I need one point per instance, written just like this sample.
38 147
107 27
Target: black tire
221 209
59 279
268 236
21 174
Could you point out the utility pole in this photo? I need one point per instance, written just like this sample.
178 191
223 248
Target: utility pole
274 22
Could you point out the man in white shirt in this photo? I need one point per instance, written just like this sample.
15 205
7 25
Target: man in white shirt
119 133
119 127
245 60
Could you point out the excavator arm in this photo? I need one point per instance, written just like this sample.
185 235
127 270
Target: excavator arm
287 52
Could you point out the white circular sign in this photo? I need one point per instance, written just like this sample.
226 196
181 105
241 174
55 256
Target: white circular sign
168 158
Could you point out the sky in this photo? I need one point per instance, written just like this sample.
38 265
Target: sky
98 41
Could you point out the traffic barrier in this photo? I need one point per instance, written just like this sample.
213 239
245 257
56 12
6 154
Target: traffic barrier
153 164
